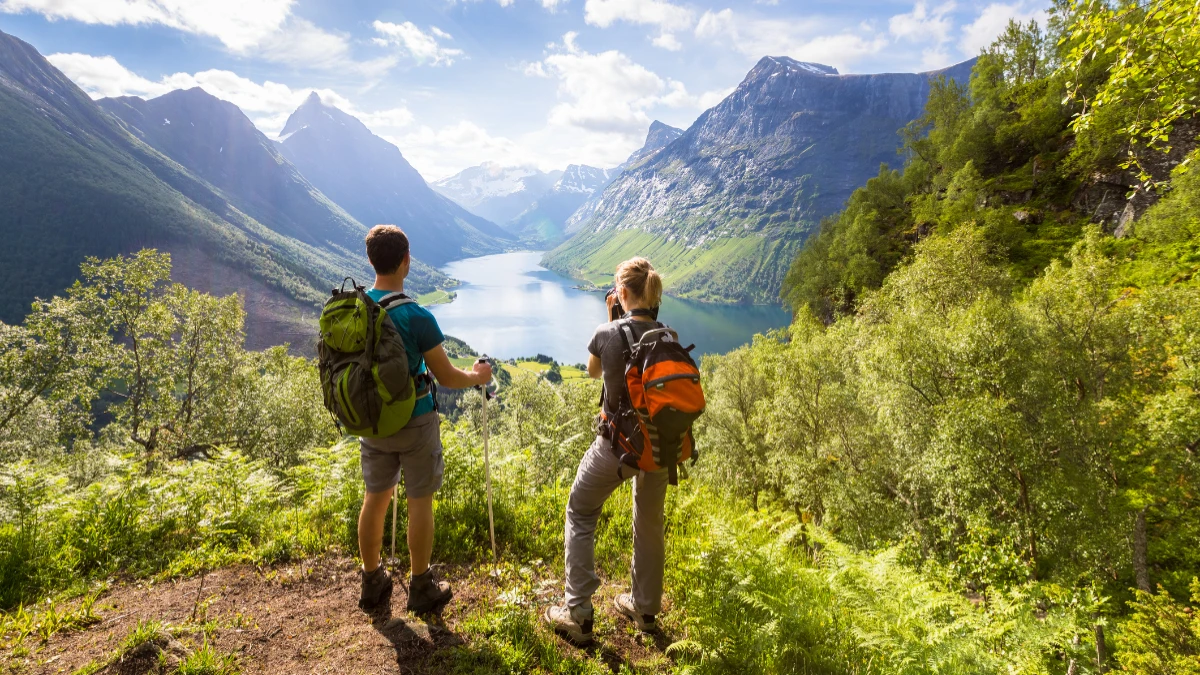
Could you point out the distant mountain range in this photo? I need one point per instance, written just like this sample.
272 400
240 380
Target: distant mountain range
189 174
77 182
723 208
545 219
498 193
542 207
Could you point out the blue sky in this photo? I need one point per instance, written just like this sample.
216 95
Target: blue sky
455 83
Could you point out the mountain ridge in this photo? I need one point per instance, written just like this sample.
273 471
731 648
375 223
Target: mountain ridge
727 204
497 192
75 183
244 164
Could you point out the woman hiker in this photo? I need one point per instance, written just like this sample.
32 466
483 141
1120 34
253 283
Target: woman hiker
638 288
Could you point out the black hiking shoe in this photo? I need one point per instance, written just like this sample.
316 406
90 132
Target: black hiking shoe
376 590
427 595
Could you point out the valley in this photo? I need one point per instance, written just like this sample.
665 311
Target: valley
721 208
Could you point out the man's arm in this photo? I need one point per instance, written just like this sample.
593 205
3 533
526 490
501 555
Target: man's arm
594 369
453 378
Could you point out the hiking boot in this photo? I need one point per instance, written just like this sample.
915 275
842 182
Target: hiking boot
644 622
376 589
427 595
566 623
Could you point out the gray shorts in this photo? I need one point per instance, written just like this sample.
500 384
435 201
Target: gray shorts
417 449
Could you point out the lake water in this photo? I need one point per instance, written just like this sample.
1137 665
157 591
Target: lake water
510 306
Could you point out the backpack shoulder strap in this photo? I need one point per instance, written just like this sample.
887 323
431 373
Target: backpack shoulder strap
627 338
395 299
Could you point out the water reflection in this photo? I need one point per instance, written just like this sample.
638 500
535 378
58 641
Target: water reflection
510 306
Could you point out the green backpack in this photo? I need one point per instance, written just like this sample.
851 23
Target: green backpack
364 367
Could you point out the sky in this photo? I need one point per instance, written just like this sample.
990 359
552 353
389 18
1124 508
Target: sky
455 83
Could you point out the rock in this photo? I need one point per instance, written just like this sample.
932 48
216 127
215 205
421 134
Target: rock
1125 219
1027 217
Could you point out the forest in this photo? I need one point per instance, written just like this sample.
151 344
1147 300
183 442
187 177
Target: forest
973 451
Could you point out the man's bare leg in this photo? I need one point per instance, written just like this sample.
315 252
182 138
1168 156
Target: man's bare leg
420 533
370 527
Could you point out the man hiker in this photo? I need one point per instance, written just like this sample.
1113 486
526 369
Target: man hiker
416 450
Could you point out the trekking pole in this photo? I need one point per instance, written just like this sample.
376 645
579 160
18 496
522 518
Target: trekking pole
395 503
487 473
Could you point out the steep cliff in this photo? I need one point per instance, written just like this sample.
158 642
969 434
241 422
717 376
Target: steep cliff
722 210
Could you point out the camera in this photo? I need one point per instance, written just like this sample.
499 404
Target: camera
617 310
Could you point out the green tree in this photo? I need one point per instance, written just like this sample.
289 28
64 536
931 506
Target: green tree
49 370
1152 54
735 389
177 352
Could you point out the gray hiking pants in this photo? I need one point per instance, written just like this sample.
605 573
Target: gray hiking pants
595 480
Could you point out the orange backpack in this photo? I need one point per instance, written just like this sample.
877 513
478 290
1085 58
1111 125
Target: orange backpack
662 399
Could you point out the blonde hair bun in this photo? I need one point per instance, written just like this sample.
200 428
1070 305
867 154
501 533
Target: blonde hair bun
639 276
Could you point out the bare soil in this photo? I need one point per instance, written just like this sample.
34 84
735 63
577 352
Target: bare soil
304 618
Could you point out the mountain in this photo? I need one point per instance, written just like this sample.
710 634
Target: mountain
498 193
545 220
371 180
658 137
722 210
75 182
215 141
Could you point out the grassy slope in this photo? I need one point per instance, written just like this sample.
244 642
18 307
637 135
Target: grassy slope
739 269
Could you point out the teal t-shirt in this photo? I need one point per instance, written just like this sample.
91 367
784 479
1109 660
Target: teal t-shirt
421 333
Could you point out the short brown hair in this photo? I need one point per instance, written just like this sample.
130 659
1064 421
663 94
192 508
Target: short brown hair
387 245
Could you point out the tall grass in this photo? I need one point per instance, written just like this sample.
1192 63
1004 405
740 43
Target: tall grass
747 591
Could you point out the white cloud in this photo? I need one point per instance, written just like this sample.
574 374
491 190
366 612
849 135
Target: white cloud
238 24
923 25
392 118
421 46
551 5
265 29
799 39
668 41
710 98
993 20
927 27
667 16
535 69
442 152
267 104
605 92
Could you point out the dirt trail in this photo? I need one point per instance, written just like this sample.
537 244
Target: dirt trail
303 618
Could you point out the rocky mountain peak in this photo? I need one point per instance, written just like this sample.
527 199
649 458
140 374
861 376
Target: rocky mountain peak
660 135
771 66
317 114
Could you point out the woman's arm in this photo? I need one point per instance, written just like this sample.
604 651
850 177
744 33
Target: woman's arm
594 370
453 378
